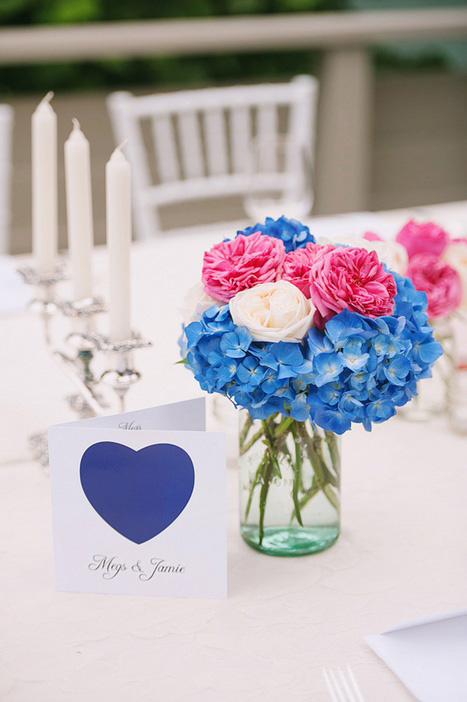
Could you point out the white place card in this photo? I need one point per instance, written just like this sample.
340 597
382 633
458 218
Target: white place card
139 504
428 655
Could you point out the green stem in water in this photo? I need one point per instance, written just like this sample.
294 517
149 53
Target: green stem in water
271 443
297 474
246 447
323 475
256 481
261 475
333 446
311 451
309 494
283 426
274 434
332 497
245 429
318 446
264 494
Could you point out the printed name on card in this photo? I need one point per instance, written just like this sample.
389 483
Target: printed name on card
139 504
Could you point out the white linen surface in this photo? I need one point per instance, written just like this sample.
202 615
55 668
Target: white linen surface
401 553
15 294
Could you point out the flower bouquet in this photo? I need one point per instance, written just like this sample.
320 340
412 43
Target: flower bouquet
437 265
306 339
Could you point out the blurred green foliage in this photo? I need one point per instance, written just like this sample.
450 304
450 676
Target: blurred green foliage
166 71
158 71
71 11
388 59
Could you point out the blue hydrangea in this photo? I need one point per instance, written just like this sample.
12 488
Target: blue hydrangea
293 233
356 370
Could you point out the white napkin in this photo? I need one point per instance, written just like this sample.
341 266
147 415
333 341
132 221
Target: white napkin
14 292
429 655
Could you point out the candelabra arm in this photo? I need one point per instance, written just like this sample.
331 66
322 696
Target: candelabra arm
68 366
86 343
122 376
45 283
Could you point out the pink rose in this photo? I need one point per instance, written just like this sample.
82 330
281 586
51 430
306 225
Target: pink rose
352 279
439 280
372 236
241 263
422 238
319 321
297 265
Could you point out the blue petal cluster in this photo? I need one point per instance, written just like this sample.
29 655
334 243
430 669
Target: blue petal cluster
356 370
293 233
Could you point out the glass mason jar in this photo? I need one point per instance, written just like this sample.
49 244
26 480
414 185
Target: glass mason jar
289 485
457 399
432 398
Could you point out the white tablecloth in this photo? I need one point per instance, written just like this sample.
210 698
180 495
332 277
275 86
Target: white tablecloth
402 552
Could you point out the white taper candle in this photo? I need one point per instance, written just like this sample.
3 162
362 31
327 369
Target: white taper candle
44 185
118 201
79 211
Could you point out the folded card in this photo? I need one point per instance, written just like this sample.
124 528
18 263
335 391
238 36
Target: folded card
428 655
139 503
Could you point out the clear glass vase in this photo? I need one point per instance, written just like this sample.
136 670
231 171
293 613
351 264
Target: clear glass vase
432 397
457 400
289 485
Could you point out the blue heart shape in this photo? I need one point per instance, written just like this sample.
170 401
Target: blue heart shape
138 493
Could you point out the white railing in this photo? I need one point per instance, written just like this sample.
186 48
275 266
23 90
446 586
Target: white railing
226 34
346 78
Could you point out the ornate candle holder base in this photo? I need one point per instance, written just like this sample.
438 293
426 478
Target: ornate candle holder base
40 280
39 446
123 346
79 405
81 309
86 345
121 382
121 378
44 306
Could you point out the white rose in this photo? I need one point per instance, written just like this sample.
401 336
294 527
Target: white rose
455 254
196 302
273 312
391 253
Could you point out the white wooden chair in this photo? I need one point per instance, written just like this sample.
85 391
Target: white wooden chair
6 134
200 139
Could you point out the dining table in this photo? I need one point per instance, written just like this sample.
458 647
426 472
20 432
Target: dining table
401 554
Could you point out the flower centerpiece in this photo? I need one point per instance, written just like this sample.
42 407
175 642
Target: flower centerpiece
306 340
437 265
434 265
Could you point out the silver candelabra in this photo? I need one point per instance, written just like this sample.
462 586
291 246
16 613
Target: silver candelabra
77 353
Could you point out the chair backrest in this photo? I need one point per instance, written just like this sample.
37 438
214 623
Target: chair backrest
194 144
6 134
